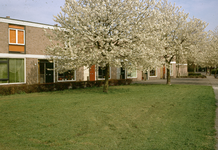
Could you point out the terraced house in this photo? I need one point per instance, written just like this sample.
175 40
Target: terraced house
23 59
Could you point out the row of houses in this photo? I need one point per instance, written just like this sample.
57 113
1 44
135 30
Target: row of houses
23 59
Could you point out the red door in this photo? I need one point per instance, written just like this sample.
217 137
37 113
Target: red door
92 73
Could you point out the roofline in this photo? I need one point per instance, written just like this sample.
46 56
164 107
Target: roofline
26 23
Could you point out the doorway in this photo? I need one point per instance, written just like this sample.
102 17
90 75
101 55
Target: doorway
46 71
122 73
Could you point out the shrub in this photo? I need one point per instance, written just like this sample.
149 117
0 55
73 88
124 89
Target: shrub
194 74
59 86
213 72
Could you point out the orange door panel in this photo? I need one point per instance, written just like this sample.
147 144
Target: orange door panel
92 73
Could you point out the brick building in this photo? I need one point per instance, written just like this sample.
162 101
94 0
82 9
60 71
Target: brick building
23 59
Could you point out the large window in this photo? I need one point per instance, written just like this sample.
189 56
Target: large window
16 38
102 73
131 73
69 75
153 73
11 70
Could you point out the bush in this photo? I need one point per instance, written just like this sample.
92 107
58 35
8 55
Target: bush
59 86
194 74
213 71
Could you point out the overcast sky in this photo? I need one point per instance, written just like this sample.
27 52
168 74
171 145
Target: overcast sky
42 11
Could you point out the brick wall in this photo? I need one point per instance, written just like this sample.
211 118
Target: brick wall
36 41
3 37
113 72
31 70
80 74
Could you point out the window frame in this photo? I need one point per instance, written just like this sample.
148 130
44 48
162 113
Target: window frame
16 36
5 62
24 61
131 77
98 74
66 80
155 72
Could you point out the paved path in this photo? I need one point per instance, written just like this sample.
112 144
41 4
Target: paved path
209 81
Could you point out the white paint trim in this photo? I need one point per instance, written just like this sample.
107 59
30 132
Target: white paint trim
12 83
26 23
10 55
173 62
182 64
24 70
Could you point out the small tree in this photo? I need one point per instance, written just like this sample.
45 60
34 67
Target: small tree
102 32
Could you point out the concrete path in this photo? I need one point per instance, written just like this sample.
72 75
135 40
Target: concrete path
209 81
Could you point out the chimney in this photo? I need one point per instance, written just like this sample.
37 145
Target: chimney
8 17
56 25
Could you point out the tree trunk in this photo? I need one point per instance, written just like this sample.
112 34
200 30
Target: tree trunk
105 89
215 71
168 75
210 70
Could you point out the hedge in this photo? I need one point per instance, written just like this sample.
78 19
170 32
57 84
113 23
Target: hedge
32 88
194 74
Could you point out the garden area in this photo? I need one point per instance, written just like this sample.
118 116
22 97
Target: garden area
135 117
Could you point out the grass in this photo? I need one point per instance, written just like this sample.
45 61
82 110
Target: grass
135 117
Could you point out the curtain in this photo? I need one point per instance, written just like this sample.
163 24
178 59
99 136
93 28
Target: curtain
16 70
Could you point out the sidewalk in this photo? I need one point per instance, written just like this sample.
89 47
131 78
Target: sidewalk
214 84
209 81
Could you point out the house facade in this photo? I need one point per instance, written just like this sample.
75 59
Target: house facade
23 59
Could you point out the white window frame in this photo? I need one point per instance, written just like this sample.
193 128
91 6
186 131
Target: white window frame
155 73
16 36
67 80
171 69
131 77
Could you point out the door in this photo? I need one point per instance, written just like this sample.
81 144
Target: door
122 73
46 73
49 73
92 73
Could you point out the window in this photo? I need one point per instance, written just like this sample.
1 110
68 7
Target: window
171 70
16 38
153 72
69 75
102 73
11 70
131 73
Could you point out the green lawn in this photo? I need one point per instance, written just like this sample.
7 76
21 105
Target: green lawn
136 117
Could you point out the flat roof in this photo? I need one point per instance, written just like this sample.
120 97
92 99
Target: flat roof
26 23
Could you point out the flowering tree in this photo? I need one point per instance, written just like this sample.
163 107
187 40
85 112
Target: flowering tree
206 54
103 33
177 34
